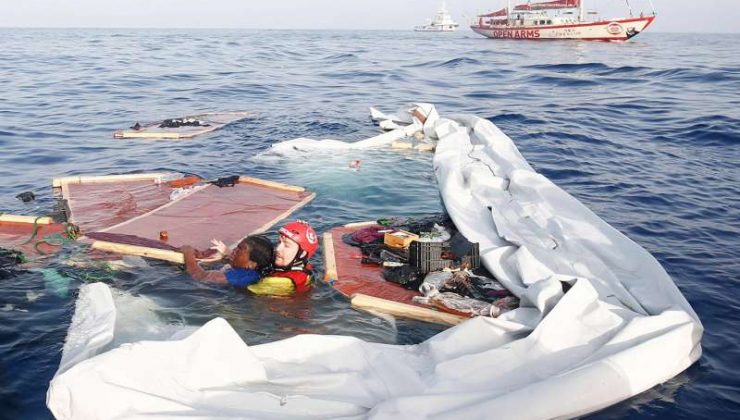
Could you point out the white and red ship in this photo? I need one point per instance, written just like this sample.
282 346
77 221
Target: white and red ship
558 19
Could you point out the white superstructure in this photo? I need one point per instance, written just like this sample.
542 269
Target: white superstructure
557 19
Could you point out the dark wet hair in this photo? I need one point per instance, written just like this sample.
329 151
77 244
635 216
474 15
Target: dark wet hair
9 259
261 251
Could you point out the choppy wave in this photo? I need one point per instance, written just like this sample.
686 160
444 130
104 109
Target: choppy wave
710 130
570 67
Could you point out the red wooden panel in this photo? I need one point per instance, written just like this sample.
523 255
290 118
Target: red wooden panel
227 214
99 206
13 235
355 277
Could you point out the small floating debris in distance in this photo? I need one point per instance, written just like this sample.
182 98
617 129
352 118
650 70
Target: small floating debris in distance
181 127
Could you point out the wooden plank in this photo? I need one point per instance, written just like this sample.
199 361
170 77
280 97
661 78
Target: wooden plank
402 145
155 135
271 184
360 224
421 147
330 262
103 179
65 192
425 147
141 251
370 303
14 218
68 197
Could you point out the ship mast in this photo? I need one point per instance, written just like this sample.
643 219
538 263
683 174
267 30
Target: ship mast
581 11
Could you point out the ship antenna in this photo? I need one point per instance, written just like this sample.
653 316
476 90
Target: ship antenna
628 6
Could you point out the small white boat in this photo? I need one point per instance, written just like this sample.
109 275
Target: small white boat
442 22
558 19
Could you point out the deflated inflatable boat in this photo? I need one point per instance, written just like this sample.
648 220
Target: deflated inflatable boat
600 321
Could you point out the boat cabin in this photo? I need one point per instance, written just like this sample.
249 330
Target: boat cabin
528 19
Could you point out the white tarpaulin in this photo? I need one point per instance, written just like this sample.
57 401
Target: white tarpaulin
418 118
600 321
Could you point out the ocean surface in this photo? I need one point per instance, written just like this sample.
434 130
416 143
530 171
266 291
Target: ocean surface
645 133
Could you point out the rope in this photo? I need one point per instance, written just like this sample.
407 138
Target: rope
71 232
35 230
69 229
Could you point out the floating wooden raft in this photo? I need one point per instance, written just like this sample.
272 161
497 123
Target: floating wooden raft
365 286
133 211
209 122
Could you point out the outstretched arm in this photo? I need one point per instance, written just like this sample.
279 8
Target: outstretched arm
196 271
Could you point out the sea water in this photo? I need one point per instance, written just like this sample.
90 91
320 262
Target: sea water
646 133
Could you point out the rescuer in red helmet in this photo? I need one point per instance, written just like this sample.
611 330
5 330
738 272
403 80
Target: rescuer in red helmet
297 242
290 272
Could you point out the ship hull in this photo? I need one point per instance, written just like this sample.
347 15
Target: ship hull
434 30
608 30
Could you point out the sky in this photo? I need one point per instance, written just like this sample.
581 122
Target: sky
713 16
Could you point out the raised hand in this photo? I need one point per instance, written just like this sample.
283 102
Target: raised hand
220 247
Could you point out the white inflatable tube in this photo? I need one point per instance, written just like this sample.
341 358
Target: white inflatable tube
600 322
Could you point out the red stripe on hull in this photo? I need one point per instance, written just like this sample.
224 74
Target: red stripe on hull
575 25
624 38
533 32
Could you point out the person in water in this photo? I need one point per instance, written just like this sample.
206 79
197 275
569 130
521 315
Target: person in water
249 260
290 272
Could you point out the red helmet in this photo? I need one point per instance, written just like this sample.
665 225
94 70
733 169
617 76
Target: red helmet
303 234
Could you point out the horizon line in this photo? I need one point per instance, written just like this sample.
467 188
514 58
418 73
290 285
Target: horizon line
291 29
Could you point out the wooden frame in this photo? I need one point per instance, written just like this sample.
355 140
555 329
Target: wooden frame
330 262
167 255
370 303
63 183
102 179
271 184
141 251
13 218
360 224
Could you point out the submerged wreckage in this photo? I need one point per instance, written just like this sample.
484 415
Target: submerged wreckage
599 319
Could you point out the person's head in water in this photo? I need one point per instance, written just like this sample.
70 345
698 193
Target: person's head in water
296 244
253 252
